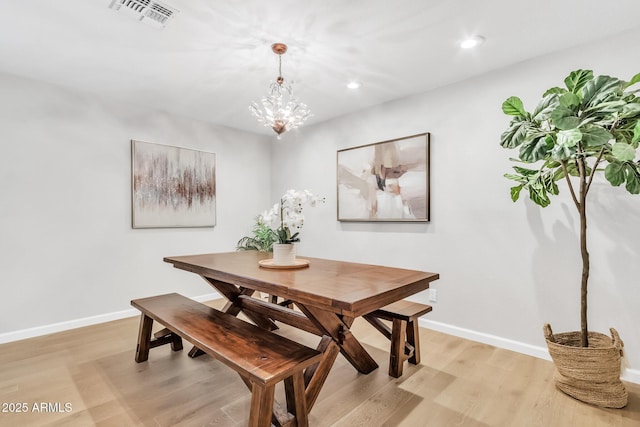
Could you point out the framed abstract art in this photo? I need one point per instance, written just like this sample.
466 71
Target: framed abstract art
172 186
386 181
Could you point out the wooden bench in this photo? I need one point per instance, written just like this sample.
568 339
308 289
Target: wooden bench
262 358
404 333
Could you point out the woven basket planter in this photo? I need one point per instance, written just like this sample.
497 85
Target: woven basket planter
590 374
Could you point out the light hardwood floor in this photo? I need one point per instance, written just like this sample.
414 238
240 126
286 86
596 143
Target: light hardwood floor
458 383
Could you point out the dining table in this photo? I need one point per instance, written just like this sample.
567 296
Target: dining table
320 296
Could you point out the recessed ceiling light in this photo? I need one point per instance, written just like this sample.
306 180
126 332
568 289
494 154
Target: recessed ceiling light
472 42
354 85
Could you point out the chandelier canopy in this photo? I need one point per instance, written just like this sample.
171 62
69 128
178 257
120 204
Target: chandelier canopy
280 110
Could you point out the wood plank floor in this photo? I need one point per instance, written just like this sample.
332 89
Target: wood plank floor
458 383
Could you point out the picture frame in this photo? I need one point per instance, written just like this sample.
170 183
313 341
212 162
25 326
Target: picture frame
385 181
172 187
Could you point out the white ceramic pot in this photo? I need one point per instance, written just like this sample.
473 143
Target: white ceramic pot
284 254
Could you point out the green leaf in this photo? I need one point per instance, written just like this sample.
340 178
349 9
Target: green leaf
567 142
577 79
514 177
595 136
554 91
569 138
615 173
513 107
636 132
558 174
537 183
619 172
625 132
633 180
525 171
600 89
515 135
635 79
604 109
623 151
569 100
631 109
545 107
551 164
535 150
562 152
549 183
564 118
515 192
539 196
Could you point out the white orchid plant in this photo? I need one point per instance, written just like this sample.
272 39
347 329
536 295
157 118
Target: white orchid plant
286 218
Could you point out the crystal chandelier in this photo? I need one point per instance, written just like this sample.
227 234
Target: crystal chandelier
280 110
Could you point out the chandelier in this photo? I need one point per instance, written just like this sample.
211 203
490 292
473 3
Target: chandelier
280 110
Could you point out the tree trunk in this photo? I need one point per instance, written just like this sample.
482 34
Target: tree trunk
582 208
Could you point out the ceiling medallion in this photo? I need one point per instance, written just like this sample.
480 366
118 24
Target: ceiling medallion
280 110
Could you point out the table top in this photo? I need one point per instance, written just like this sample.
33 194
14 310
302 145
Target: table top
346 288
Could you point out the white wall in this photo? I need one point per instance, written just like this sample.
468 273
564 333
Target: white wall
505 268
67 249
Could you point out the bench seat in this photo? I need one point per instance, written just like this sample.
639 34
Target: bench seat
262 358
404 333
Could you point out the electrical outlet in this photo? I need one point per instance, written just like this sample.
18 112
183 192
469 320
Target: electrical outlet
433 295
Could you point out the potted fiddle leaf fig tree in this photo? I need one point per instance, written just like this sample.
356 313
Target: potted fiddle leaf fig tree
576 132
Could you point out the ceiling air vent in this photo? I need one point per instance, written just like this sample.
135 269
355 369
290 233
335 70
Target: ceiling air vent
151 12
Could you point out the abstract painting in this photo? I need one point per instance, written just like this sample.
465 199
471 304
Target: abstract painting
172 186
385 181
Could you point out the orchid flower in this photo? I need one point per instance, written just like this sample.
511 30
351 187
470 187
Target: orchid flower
287 215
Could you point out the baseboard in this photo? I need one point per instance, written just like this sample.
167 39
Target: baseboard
79 323
630 375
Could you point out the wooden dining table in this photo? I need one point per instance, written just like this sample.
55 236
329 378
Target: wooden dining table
329 295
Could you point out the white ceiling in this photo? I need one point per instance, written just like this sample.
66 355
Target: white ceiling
214 57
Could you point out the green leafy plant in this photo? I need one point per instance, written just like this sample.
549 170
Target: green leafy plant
572 134
262 240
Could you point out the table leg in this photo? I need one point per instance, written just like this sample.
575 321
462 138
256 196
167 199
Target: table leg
316 375
232 292
233 307
338 330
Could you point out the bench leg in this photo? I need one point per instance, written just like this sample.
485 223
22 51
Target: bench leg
144 338
296 398
396 358
166 336
195 352
413 338
261 405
